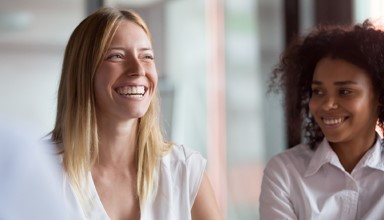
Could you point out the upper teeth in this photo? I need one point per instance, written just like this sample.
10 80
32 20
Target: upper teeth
332 121
131 90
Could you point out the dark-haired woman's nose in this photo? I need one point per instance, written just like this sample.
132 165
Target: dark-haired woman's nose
329 103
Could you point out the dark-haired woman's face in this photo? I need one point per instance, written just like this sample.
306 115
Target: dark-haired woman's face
343 102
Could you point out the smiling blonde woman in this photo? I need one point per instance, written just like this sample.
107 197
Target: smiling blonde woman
107 130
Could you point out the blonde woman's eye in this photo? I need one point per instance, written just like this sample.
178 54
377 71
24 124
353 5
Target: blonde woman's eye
149 57
115 56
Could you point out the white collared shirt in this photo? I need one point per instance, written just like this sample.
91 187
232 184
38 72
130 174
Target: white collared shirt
302 183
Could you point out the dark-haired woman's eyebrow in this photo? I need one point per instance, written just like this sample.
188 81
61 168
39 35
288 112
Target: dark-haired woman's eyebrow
343 83
337 83
316 82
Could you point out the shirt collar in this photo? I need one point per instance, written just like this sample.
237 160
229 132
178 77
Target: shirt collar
323 154
374 158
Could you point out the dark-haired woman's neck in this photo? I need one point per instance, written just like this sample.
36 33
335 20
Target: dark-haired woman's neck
351 152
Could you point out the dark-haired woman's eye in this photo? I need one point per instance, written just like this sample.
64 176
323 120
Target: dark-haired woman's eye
316 92
344 91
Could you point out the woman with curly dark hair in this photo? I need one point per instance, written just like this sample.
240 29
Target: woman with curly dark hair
333 81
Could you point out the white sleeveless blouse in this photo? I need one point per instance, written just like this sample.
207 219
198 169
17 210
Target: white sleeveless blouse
179 177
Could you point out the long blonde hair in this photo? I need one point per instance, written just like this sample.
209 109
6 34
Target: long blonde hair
76 125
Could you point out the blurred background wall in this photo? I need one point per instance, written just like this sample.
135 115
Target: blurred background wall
214 58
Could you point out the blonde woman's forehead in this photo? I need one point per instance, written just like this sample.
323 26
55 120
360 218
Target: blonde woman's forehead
129 34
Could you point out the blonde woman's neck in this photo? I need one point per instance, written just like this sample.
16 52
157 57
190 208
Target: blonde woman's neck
117 143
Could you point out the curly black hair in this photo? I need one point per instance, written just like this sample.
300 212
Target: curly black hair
359 44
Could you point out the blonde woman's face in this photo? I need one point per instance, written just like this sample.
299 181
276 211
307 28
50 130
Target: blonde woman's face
126 79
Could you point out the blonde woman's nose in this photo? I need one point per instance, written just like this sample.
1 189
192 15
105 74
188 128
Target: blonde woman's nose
134 67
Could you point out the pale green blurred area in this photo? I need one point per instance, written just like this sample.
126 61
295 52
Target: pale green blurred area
33 35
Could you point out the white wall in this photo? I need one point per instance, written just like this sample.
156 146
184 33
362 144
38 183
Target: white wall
28 83
33 35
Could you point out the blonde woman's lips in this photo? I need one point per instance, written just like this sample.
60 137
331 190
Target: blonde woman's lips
131 91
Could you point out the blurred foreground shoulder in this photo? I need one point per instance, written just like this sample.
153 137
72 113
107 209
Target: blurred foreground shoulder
30 185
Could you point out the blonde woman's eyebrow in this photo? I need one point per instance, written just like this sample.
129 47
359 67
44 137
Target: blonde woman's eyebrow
146 49
123 48
116 48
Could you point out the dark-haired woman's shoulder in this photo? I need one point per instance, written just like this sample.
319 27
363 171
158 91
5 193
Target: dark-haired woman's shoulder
281 175
295 159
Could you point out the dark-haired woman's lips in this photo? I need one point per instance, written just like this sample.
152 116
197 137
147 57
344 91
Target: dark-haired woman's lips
333 121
